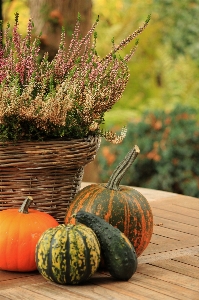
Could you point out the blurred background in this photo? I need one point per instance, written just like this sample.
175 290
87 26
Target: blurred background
160 106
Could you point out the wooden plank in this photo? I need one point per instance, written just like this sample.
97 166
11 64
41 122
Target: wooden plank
178 267
102 287
106 286
159 273
159 249
175 216
4 298
177 199
167 288
183 211
135 291
92 291
189 252
7 275
20 281
191 205
62 292
184 201
188 259
174 234
163 244
21 294
159 239
153 250
172 224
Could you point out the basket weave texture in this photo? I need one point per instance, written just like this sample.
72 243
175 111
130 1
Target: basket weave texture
51 172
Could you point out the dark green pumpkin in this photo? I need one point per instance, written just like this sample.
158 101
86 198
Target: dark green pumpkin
68 254
121 206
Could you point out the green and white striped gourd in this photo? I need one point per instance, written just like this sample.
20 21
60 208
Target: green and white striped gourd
68 254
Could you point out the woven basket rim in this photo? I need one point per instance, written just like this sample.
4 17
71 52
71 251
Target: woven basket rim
43 154
58 141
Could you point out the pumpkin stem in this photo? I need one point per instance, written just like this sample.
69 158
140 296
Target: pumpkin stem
25 205
118 173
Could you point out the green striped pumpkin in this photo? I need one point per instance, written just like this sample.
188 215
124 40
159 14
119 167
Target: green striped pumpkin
121 206
68 254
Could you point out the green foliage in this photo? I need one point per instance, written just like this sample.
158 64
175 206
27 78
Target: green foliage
161 74
169 152
12 6
182 17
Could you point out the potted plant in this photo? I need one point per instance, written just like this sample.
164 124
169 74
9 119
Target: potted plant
50 111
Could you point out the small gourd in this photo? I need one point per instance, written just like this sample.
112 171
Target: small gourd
117 251
20 230
68 254
121 206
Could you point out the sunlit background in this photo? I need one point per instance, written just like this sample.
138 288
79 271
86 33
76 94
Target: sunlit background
164 79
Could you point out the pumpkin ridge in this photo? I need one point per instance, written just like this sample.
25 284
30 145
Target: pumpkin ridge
71 262
57 255
77 205
87 262
92 195
41 258
49 257
109 208
8 247
126 214
141 223
141 227
16 220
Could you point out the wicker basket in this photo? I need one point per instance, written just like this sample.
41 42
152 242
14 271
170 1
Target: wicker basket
51 172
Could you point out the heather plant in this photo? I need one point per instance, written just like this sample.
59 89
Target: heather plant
63 98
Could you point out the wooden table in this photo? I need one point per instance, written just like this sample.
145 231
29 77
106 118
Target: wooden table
168 268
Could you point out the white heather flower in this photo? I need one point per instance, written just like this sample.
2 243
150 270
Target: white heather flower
93 126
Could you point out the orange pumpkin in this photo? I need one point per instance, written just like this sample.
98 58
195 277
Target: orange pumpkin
20 231
121 206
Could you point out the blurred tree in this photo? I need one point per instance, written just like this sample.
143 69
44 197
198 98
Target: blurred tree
181 22
164 69
50 15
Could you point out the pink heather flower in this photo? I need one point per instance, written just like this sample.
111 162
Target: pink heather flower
70 93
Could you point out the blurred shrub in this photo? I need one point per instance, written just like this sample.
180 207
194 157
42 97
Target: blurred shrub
169 152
